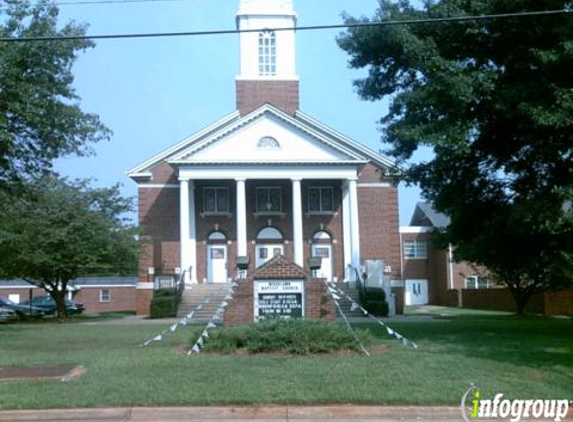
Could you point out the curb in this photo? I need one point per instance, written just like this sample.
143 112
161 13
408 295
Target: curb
235 413
102 414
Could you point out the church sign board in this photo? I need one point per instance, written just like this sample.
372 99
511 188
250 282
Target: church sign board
279 299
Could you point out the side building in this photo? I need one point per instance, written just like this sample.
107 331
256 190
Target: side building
98 294
431 275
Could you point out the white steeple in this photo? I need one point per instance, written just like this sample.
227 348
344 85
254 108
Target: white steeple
267 54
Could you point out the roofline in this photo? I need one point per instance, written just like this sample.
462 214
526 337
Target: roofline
245 120
139 170
417 229
274 163
379 158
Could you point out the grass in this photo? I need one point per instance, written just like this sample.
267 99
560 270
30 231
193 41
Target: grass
104 316
531 358
445 312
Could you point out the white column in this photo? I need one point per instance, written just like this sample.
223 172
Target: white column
354 222
241 218
297 223
346 232
188 230
192 233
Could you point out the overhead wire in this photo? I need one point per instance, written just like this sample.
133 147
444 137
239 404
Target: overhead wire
297 29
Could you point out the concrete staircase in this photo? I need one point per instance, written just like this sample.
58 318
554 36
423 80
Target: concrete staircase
351 290
197 295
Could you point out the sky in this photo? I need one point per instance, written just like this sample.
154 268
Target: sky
152 93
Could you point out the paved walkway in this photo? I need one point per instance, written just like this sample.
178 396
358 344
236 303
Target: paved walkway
239 414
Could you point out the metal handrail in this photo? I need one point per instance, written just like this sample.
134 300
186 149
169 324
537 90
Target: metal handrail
360 282
180 286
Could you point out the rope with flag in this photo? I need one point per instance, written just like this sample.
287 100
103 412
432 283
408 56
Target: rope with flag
337 294
217 316
183 322
336 299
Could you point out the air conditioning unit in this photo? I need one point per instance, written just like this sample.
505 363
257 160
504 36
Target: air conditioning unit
387 269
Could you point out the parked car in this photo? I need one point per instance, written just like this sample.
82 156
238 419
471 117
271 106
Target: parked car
8 315
23 311
48 305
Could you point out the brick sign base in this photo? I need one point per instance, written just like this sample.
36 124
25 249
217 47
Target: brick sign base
317 300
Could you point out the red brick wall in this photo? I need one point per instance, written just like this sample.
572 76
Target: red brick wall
379 226
159 219
164 173
143 299
559 303
121 299
251 95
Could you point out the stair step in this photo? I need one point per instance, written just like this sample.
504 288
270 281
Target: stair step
196 295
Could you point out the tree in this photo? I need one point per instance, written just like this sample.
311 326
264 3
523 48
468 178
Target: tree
493 98
56 228
40 117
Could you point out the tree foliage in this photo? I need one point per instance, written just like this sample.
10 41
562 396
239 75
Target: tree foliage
40 117
493 99
56 228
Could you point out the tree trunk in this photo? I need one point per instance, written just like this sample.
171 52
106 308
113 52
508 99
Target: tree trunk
521 299
59 297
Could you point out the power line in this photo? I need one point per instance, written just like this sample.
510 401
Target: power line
74 3
301 28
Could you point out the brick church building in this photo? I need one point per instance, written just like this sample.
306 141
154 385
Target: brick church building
266 179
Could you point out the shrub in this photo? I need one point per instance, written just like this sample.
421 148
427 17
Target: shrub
163 306
296 336
374 301
164 293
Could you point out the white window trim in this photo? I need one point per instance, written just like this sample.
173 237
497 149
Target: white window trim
101 296
217 211
475 280
261 211
321 211
416 245
267 59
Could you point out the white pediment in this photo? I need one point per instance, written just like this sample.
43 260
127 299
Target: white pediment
266 138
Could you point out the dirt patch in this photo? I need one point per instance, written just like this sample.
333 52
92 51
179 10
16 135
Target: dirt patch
60 372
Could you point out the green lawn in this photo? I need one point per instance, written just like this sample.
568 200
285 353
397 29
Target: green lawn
531 358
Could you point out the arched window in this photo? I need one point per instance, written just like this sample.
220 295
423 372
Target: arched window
269 233
217 237
268 142
322 237
267 53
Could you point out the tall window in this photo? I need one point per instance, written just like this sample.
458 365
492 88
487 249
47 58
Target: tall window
477 282
269 200
415 249
267 54
215 200
320 200
104 295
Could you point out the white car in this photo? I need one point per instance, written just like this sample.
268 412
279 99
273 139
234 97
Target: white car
8 315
